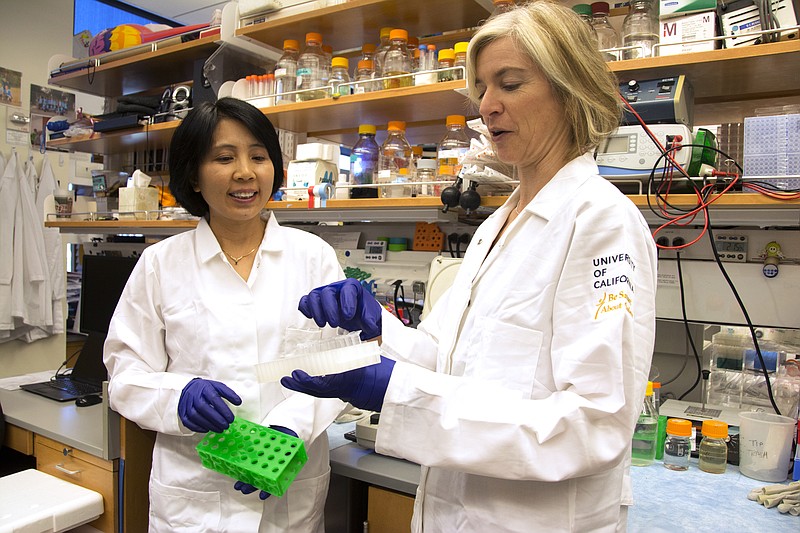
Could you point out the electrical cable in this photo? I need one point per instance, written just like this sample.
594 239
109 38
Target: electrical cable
399 301
688 331
65 363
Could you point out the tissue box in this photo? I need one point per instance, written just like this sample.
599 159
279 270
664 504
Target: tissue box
140 203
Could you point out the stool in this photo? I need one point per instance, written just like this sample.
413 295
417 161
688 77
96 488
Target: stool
36 501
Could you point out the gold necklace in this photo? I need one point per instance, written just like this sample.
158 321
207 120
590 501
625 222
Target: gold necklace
237 259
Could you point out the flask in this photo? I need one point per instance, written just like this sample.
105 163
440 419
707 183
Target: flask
502 6
607 36
677 447
713 450
381 50
310 69
643 449
286 71
395 159
364 75
447 58
451 149
340 67
364 162
460 49
640 29
396 61
426 172
584 11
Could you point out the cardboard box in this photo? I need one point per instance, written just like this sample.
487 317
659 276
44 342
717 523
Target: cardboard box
675 31
677 8
140 203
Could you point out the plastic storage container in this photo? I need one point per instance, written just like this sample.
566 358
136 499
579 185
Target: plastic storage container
713 450
263 457
286 71
678 446
643 449
364 163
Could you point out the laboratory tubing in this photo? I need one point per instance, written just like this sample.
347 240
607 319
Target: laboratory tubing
364 163
643 446
286 72
394 163
451 150
713 449
310 68
640 29
678 447
607 36
340 75
364 76
447 58
381 50
396 61
460 49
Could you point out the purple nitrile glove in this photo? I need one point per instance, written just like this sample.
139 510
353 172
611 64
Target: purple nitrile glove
344 304
202 408
363 387
247 488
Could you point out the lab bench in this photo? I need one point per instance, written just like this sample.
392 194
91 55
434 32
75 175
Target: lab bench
664 500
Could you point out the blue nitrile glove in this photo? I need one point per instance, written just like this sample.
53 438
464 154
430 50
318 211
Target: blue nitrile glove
344 304
247 488
363 387
201 407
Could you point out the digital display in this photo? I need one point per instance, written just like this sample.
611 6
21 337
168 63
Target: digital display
731 246
375 249
617 144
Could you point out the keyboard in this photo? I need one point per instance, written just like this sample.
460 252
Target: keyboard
74 387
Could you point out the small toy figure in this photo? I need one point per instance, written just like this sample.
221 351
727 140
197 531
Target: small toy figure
772 256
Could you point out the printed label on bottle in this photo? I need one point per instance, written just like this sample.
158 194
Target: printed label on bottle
280 72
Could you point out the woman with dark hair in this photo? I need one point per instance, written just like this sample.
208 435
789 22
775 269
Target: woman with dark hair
201 310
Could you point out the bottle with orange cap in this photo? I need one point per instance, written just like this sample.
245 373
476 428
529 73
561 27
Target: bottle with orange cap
397 62
713 449
286 72
460 49
643 447
447 59
310 69
395 161
340 75
451 149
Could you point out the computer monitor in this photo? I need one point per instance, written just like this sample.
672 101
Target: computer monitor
102 280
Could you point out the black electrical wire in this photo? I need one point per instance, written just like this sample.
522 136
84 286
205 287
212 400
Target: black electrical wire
688 330
400 302
65 363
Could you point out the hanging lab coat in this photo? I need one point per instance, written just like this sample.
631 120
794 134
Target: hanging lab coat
9 192
530 371
186 313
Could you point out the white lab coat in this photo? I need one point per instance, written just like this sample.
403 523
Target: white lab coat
186 313
535 366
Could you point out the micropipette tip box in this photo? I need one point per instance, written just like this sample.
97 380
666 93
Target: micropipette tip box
263 457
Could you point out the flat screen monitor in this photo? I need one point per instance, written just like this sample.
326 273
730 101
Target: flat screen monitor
102 281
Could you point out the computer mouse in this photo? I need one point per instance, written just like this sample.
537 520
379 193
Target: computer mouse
86 401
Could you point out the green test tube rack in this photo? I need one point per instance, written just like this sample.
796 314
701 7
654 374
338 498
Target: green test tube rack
263 457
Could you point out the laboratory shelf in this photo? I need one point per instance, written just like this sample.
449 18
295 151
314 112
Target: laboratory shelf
166 65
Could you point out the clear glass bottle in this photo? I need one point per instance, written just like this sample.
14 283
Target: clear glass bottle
286 71
502 6
451 149
447 58
367 54
426 173
460 49
364 76
643 448
394 163
327 53
713 450
310 69
677 446
607 36
396 61
364 163
381 50
340 68
584 11
640 29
